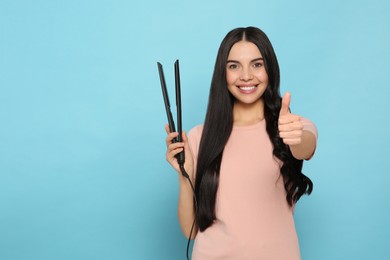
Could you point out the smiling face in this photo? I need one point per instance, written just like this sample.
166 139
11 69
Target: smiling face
246 76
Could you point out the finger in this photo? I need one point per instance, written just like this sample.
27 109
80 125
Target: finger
284 110
184 137
173 146
292 141
291 134
167 128
172 153
290 126
289 119
186 145
170 137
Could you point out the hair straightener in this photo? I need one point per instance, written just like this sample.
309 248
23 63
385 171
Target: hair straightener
171 123
180 156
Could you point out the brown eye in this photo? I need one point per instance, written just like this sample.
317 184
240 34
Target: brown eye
257 65
232 66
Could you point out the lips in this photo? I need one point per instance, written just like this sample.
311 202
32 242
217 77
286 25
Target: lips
247 89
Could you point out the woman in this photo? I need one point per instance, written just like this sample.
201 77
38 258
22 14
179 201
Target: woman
246 159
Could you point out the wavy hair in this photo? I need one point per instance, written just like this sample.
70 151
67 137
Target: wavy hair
218 126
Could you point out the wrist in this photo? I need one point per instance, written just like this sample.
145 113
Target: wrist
184 179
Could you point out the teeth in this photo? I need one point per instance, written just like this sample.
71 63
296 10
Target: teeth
247 88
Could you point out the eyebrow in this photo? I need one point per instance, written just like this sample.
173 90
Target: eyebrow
236 61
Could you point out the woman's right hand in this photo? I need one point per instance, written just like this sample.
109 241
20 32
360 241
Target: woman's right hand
186 211
174 148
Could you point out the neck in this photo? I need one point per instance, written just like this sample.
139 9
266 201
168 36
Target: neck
248 114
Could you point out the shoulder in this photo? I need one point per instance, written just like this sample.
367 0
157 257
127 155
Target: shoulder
196 132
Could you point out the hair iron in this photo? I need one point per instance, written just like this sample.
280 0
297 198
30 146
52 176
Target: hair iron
180 156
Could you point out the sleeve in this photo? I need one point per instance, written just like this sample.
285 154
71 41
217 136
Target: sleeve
309 126
194 136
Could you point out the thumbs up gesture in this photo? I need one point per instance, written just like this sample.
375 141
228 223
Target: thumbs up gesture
290 125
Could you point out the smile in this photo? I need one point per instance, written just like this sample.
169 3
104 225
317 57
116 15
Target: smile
247 89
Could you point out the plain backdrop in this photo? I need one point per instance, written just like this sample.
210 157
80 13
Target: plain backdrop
82 142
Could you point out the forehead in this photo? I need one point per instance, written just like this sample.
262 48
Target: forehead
243 50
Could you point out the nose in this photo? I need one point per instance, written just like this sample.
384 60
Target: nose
246 74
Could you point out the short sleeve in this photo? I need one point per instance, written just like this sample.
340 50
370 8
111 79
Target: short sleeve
309 126
194 136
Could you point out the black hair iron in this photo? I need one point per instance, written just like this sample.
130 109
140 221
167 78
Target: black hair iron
171 123
180 156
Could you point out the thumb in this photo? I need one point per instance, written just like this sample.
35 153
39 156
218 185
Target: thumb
285 109
184 136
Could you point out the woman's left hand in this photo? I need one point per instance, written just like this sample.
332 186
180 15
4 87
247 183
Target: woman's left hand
290 125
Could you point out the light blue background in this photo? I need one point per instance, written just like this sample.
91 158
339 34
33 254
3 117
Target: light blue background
82 153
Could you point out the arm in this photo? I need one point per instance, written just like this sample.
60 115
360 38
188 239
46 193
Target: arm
185 209
186 212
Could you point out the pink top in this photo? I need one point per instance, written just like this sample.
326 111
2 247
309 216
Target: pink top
254 220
